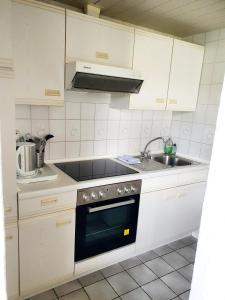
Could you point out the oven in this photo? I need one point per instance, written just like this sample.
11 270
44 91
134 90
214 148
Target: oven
106 218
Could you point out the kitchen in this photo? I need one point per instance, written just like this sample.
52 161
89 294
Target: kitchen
94 203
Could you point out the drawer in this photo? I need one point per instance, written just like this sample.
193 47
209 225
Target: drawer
193 177
159 183
46 204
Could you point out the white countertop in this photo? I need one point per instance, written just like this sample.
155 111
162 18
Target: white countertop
66 183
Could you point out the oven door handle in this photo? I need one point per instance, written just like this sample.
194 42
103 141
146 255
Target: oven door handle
99 208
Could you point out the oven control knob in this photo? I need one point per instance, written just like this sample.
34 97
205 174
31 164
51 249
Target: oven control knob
126 190
133 189
101 195
119 191
94 196
86 198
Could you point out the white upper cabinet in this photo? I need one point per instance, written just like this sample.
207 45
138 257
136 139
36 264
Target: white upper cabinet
96 40
39 49
185 76
46 251
152 57
5 33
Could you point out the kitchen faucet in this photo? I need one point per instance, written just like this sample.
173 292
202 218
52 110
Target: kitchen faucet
145 153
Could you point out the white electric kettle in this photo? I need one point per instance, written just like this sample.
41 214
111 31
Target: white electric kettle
26 159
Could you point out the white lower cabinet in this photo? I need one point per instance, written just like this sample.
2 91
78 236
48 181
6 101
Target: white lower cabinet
12 272
168 214
46 246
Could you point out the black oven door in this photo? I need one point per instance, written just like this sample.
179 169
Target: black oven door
105 226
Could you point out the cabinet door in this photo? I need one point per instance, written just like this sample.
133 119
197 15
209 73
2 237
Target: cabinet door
46 250
169 214
185 76
96 40
38 46
5 33
7 116
152 58
12 272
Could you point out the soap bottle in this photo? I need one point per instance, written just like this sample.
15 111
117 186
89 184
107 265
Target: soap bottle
174 150
168 146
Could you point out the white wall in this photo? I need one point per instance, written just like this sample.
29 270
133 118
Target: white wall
208 278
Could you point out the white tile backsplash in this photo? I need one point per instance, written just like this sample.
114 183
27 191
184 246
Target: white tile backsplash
101 130
39 112
87 111
57 112
101 111
87 130
72 111
212 36
58 129
57 150
100 147
86 148
23 125
72 149
23 111
39 127
113 130
72 130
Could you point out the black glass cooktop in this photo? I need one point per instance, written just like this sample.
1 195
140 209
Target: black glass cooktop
93 169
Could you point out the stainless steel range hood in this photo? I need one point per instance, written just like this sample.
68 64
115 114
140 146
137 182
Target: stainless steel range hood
98 77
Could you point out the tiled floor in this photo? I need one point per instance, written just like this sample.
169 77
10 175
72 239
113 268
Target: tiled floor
162 274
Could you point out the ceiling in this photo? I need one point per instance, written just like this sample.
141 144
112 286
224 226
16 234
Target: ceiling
177 17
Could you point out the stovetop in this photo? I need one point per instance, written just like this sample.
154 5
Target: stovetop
94 169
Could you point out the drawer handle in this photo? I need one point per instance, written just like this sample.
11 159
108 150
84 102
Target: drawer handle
48 201
160 100
9 237
172 101
49 92
63 223
8 209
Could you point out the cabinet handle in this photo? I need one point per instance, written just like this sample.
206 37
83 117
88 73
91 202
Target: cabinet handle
9 237
8 209
49 92
160 100
48 201
172 101
102 55
62 223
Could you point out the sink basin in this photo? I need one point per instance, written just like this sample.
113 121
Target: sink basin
162 161
172 161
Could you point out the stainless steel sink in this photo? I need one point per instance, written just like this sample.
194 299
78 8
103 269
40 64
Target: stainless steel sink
162 161
173 161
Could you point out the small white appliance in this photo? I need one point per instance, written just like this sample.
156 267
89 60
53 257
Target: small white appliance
26 160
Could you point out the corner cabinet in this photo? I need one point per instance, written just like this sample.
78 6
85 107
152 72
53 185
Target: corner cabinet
185 76
39 50
169 214
152 57
46 251
97 40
